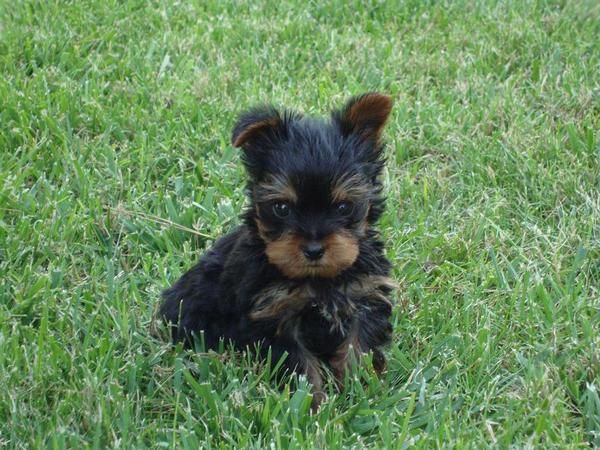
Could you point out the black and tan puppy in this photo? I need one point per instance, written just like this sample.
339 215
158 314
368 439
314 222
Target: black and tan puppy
305 274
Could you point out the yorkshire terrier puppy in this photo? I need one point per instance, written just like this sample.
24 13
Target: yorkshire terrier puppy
305 274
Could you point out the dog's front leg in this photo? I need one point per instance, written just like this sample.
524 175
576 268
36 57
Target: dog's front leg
297 360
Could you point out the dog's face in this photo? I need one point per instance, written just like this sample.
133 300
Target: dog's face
313 184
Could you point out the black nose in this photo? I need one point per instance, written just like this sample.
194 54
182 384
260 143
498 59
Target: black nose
313 251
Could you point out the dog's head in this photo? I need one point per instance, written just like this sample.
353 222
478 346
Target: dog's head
314 185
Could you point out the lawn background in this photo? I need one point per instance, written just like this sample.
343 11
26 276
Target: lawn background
116 172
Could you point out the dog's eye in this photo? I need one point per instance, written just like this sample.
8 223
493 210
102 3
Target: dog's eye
344 208
281 210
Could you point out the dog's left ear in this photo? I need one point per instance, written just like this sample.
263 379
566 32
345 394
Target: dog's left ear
364 116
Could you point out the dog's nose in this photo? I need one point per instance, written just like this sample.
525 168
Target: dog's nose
314 250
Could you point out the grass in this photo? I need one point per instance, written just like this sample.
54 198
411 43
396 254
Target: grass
116 172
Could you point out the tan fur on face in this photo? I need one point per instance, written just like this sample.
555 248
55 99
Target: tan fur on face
349 188
352 188
276 188
341 250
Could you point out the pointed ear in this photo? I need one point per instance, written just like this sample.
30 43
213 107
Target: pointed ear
255 124
365 116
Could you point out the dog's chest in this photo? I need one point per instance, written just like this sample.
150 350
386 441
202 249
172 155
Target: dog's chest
324 325
320 316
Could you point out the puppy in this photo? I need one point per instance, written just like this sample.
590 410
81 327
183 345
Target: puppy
305 275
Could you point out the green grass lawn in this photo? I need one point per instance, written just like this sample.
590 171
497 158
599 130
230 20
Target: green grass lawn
116 172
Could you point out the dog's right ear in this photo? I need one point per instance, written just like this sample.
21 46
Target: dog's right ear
261 123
